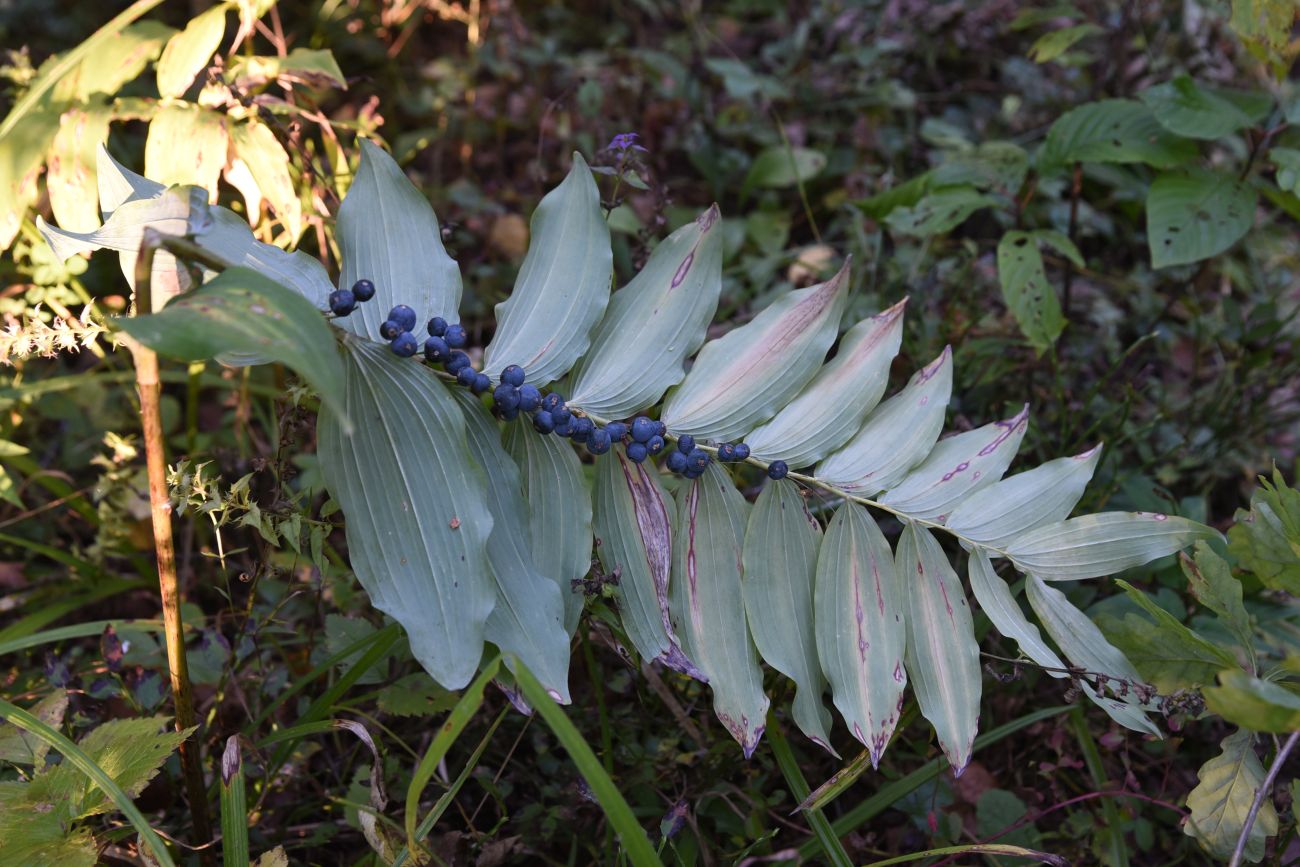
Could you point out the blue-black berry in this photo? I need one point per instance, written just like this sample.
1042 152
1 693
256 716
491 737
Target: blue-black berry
457 361
363 290
552 401
561 414
726 452
655 444
598 443
506 397
686 444
543 423
637 452
661 429
481 383
342 302
643 428
436 350
390 329
456 337
404 317
405 344
529 398
742 451
563 427
616 430
437 326
777 470
513 375
466 376
677 462
583 428
697 460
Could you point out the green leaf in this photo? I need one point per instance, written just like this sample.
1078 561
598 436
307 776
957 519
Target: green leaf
997 812
860 602
1028 295
1195 214
708 606
118 60
415 695
242 311
781 166
902 195
1050 46
34 834
1102 544
267 162
994 165
1267 538
1252 703
70 179
1222 799
187 144
896 436
22 153
830 410
744 377
190 50
416 507
939 211
1112 131
1013 506
943 657
314 67
997 602
1199 111
1265 23
1209 577
780 560
654 323
25 748
563 285
1287 161
389 235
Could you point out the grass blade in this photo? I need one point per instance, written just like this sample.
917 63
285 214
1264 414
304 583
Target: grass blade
977 848
820 825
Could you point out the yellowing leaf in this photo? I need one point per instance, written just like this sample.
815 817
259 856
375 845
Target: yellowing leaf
1219 803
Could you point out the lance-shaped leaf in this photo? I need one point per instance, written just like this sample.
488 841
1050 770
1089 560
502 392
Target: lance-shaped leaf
1221 801
1102 544
859 607
563 285
190 50
70 180
654 323
943 657
528 620
416 508
634 519
831 409
996 600
187 144
958 466
708 605
745 376
389 235
559 511
1085 646
896 436
1013 506
780 561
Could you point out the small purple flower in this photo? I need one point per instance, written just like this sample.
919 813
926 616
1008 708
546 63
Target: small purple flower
624 142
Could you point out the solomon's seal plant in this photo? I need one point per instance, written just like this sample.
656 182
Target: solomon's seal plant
470 521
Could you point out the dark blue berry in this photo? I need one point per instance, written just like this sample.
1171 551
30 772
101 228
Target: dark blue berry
481 383
404 317
563 428
777 470
508 414
677 462
363 290
661 429
436 350
390 330
598 443
616 430
742 451
437 326
686 444
655 444
405 344
543 423
342 302
456 337
506 397
552 401
643 428
513 375
561 414
583 428
726 452
457 361
637 452
529 398
466 376
697 460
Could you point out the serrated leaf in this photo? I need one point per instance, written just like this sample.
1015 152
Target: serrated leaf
130 752
22 747
943 657
1028 295
860 603
559 511
743 378
1219 804
634 518
780 561
778 167
653 323
190 50
265 157
708 606
416 507
187 144
1210 579
1052 45
830 410
996 165
1195 214
958 466
389 235
939 211
896 435
1254 703
563 285
1013 506
1102 544
1267 538
70 176
1188 108
997 602
34 832
1112 131
528 620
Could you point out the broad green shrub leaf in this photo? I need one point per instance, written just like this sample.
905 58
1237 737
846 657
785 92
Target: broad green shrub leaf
943 657
1087 648
24 748
996 600
860 602
35 834
22 152
1210 579
70 178
780 561
1195 214
1052 45
242 311
939 211
903 195
1102 544
1013 506
115 62
563 285
1266 539
1190 109
1253 703
1222 799
708 606
994 165
268 163
779 166
653 323
559 511
1112 131
190 50
187 144
1028 295
896 435
314 67
416 507
958 466
744 377
634 518
528 620
831 408
389 235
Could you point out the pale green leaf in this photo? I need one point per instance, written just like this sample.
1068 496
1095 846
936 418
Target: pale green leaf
1060 242
1254 703
187 144
1264 22
994 165
1266 539
130 752
1102 544
1190 109
261 151
119 185
22 153
315 67
190 50
1210 579
563 286
1028 295
939 211
116 61
781 166
34 831
1052 45
70 179
1287 161
1222 799
1195 214
997 602
25 748
1112 131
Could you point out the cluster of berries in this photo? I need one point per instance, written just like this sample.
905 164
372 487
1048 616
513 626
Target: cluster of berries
344 301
